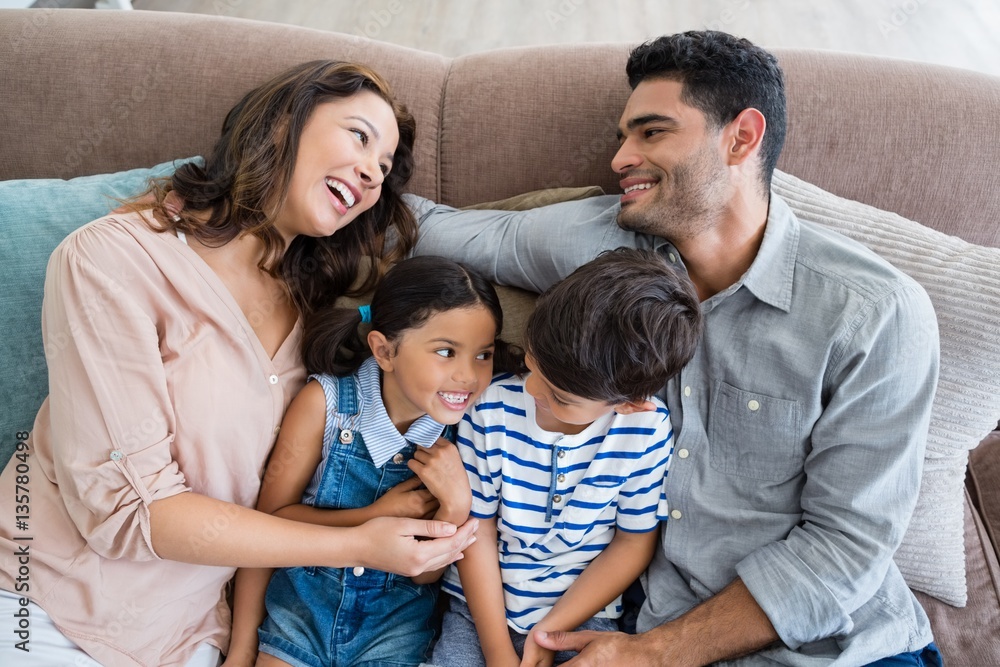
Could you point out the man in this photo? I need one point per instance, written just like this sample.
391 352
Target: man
803 416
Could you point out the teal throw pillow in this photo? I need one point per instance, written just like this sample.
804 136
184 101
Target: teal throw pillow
35 215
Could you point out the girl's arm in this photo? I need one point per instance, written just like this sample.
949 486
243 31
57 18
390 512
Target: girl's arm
479 572
607 577
248 614
441 470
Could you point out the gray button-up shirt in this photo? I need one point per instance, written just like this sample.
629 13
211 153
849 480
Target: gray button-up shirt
801 422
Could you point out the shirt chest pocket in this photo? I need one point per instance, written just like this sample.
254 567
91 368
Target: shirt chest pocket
754 435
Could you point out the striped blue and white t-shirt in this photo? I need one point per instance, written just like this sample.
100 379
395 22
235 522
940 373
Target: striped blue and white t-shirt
608 477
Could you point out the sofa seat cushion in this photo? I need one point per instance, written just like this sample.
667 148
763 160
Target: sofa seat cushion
963 282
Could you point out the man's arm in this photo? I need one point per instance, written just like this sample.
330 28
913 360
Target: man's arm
728 625
530 249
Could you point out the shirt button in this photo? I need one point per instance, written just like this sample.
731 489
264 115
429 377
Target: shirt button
560 477
273 379
676 514
673 257
398 458
358 571
683 453
557 499
753 405
687 391
117 455
276 429
561 453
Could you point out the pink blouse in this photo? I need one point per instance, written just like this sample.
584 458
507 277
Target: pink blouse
158 385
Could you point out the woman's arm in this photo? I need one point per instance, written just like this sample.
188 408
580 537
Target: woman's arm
479 572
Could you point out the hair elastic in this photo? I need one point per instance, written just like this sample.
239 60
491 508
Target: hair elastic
366 314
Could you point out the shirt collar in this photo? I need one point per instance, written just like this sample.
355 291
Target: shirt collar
771 275
380 435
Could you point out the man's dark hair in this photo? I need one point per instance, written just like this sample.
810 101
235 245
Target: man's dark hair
617 328
721 76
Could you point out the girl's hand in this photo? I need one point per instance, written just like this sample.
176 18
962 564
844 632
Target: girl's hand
391 544
441 470
407 499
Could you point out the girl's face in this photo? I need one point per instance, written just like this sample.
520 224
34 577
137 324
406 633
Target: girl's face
345 151
437 369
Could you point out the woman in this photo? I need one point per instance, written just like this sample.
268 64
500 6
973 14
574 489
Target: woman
172 341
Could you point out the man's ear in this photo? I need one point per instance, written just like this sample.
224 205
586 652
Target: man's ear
744 136
631 407
381 349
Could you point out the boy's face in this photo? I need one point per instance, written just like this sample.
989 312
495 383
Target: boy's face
559 411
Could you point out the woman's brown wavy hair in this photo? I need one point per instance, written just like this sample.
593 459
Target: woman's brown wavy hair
247 175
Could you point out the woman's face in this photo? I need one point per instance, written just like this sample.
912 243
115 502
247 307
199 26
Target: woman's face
345 151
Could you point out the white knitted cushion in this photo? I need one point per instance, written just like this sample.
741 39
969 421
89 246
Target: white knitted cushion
963 282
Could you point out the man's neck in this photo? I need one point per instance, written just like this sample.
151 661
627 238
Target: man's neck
718 257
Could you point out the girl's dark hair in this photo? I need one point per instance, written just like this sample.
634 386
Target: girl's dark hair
248 172
406 297
617 328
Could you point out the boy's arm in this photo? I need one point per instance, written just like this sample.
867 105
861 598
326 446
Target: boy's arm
479 572
607 577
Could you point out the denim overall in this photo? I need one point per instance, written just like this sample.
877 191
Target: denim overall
322 616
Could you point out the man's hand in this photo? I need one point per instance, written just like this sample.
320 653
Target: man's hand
610 648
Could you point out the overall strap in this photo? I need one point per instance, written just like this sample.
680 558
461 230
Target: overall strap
347 395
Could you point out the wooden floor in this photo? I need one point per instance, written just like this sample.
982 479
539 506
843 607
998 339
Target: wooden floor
961 33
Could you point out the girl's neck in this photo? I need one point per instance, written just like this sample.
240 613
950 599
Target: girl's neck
401 413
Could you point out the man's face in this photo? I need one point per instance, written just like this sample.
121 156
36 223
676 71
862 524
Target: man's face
675 180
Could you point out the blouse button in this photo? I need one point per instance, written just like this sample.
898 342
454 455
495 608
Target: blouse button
561 453
117 455
753 405
560 477
273 379
676 514
557 499
358 571
683 453
398 458
687 391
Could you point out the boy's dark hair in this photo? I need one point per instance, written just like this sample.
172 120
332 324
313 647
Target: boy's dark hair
406 297
721 76
617 328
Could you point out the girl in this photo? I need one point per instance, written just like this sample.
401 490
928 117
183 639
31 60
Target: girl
173 349
364 440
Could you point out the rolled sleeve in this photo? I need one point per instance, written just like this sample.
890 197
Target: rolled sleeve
109 410
862 474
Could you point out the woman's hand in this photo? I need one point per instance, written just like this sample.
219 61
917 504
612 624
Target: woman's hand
441 470
391 544
407 499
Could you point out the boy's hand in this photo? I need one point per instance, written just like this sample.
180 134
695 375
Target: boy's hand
407 499
534 655
441 470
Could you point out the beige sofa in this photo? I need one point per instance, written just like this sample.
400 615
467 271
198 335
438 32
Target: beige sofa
88 92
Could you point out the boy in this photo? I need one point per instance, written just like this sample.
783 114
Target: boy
567 464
